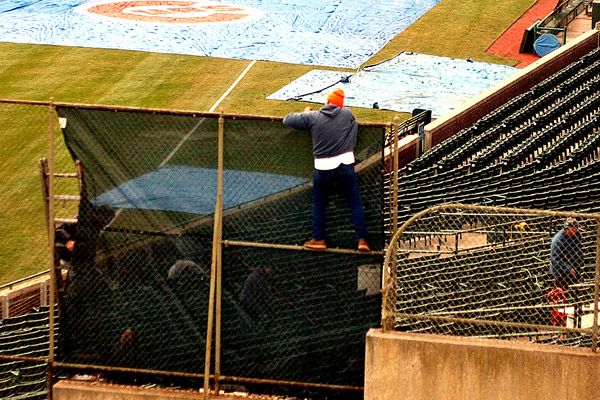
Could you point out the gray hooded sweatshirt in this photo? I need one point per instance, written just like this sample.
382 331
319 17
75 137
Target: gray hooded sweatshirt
333 129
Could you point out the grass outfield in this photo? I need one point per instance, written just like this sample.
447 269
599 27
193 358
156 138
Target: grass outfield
454 28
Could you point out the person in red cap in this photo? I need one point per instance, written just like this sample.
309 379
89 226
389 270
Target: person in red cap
333 130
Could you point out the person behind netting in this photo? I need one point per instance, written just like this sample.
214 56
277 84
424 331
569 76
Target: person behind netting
65 238
184 268
256 295
566 254
334 130
86 285
125 354
89 241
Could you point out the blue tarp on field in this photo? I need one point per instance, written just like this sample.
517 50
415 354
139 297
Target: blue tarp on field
194 190
338 33
402 83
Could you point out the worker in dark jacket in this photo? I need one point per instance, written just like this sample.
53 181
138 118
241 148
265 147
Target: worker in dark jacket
333 130
566 254
256 295
65 240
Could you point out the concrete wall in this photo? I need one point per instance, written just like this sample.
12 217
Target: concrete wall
79 390
73 390
422 366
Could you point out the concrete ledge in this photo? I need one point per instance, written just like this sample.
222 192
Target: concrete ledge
424 366
78 390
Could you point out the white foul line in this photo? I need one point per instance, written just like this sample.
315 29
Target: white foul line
232 86
185 138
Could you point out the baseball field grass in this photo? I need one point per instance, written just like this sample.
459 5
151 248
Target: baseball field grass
454 28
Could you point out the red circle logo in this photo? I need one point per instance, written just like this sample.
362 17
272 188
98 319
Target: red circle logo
171 12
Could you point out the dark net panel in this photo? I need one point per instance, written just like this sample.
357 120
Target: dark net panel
137 288
144 164
137 291
141 305
298 316
117 146
285 218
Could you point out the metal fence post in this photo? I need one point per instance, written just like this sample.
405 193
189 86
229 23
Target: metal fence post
387 272
395 167
596 289
51 296
51 244
219 250
44 293
5 307
217 225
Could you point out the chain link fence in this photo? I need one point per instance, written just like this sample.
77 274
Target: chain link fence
478 271
187 261
25 323
188 257
172 210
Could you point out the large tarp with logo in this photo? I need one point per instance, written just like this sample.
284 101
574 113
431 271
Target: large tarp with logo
340 33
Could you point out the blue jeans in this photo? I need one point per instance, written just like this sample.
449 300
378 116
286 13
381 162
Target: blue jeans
323 183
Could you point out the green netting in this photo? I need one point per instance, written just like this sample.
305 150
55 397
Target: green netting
138 284
118 147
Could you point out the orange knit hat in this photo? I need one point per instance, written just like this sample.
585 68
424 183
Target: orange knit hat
336 97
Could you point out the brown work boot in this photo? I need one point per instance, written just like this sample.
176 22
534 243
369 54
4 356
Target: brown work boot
315 244
363 245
